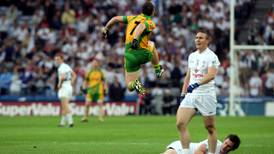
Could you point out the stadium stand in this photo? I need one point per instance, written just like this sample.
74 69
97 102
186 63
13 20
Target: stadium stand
31 32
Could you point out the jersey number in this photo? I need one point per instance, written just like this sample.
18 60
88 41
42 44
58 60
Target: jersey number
136 24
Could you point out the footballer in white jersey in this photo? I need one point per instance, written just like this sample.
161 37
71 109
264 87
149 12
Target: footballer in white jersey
66 77
231 143
203 98
198 92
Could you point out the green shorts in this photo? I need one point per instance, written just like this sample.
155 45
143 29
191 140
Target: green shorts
94 94
135 58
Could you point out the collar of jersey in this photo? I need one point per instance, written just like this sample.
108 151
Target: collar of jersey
147 17
204 51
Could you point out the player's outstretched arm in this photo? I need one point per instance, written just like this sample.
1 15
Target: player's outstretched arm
110 23
185 85
139 30
186 82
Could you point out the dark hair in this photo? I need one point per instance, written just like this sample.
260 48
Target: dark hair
205 31
235 139
59 54
148 8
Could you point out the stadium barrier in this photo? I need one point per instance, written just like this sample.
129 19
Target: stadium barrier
244 106
53 108
50 106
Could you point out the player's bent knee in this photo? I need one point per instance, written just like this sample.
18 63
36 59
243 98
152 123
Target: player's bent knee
210 129
181 125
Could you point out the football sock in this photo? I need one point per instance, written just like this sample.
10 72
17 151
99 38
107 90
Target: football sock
158 70
157 67
210 153
69 118
63 120
131 86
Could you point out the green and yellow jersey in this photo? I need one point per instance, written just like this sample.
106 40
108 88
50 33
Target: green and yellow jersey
132 22
95 84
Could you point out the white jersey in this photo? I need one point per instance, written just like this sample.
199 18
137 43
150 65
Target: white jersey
198 63
67 71
176 145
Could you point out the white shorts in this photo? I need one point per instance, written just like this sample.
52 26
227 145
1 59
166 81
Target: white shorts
176 145
65 92
206 104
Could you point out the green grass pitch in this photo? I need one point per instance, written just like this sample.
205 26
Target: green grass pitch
125 135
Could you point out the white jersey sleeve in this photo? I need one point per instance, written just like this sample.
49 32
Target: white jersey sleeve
213 61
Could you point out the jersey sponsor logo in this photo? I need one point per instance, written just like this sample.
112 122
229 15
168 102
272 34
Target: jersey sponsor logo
197 75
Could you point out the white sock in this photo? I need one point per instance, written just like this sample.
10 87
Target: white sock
186 151
210 153
63 120
69 118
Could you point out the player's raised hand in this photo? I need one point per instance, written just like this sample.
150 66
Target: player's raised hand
104 31
192 87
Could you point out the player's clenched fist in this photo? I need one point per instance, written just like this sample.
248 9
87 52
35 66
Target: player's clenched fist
135 44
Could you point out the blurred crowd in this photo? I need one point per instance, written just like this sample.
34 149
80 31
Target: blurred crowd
261 32
32 32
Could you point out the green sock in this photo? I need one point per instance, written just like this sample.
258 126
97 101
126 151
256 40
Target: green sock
131 86
157 66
